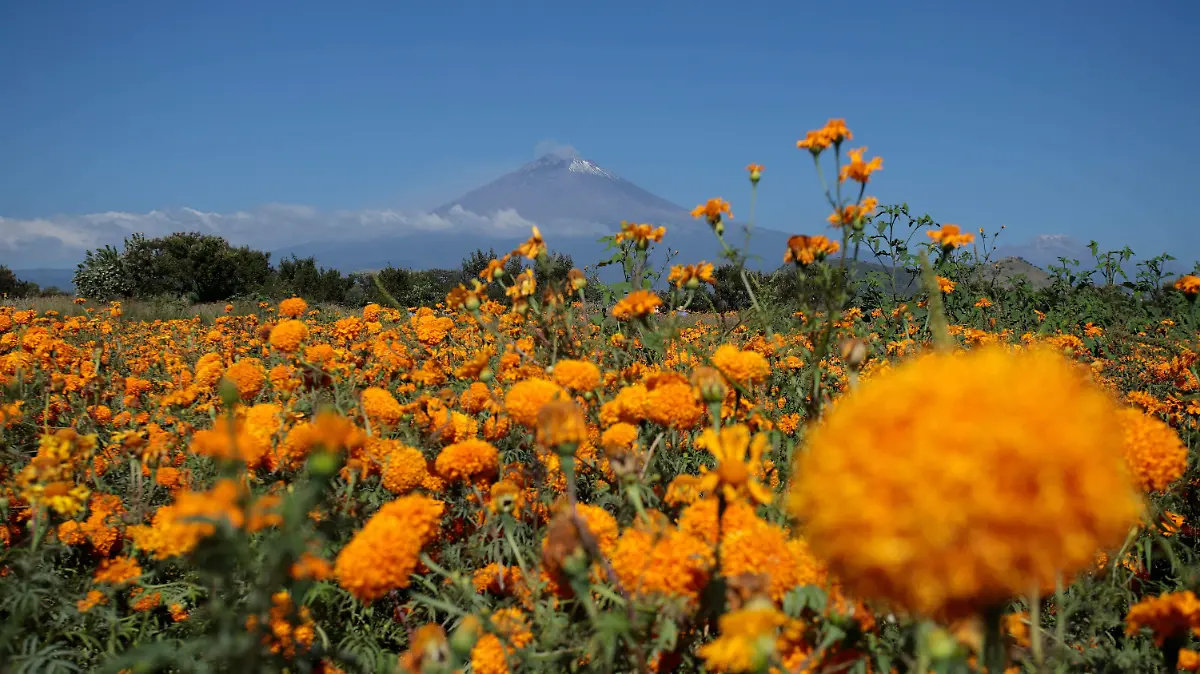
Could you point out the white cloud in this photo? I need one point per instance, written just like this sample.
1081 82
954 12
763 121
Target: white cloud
63 239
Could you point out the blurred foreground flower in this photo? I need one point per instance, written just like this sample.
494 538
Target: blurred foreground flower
952 483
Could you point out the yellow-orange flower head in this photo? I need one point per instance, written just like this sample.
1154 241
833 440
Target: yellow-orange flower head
956 481
1155 454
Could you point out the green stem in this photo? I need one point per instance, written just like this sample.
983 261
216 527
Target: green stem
994 656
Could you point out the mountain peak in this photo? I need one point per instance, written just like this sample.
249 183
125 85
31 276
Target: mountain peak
556 161
564 187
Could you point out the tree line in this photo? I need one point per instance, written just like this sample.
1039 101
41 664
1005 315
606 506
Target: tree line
202 268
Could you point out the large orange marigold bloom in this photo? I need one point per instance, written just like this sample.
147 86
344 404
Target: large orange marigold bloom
468 460
526 398
383 554
1155 454
949 484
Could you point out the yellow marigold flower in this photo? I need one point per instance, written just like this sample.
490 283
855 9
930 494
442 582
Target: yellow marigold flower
1188 285
738 457
1155 454
857 169
692 275
804 250
950 237
916 508
527 397
1170 615
383 554
468 460
576 375
744 367
380 407
747 641
293 307
636 304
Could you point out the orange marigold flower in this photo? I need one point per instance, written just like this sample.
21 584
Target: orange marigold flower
468 460
834 132
692 275
674 405
533 248
857 169
748 639
527 397
287 336
804 250
404 467
636 304
1188 285
561 426
178 528
383 554
93 599
755 172
990 488
506 497
950 237
248 376
293 307
576 375
712 210
1171 615
1153 450
117 571
945 284
744 367
852 214
380 407
311 567
641 235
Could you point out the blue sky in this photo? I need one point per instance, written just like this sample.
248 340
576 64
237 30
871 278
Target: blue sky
1049 117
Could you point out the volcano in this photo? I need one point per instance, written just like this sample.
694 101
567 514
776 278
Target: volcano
569 191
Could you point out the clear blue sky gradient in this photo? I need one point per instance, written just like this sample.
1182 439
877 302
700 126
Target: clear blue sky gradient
1050 117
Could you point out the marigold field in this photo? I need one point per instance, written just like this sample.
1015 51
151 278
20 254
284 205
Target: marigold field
976 476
